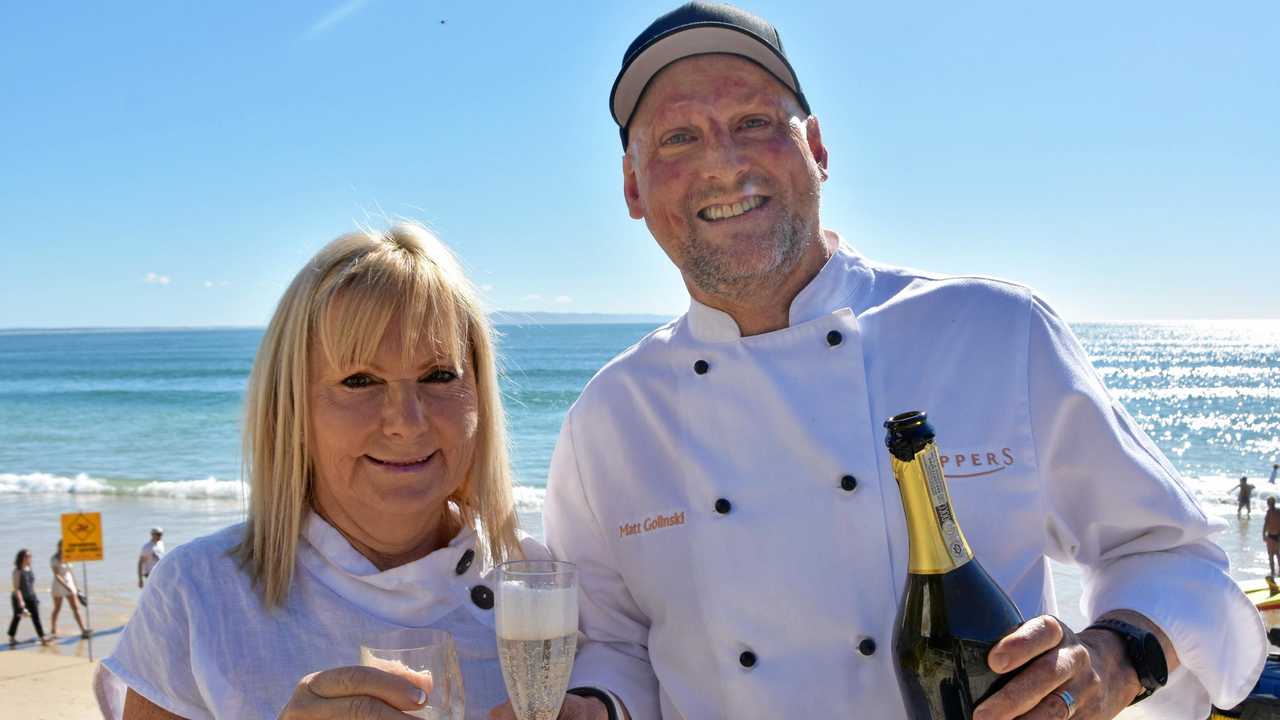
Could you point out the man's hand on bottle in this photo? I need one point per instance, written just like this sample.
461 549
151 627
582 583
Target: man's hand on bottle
574 708
1047 657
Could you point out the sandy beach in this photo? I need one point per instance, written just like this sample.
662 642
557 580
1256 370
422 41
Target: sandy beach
53 682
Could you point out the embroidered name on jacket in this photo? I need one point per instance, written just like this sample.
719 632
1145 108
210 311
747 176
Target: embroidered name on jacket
649 524
976 464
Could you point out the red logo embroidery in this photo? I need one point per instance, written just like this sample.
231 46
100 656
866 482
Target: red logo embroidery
976 464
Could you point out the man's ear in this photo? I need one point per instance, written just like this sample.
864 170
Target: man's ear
631 188
813 134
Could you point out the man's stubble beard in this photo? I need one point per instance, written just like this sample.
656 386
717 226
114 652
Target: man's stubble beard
719 271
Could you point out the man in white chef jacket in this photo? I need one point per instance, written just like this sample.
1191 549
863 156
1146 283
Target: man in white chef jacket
724 488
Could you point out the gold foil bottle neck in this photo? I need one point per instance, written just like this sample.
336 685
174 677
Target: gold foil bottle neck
937 545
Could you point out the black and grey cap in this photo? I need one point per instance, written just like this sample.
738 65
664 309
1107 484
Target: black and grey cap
697 28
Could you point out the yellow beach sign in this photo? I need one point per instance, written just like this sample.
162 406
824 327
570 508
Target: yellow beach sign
81 536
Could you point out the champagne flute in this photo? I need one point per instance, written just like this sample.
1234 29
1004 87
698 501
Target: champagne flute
537 626
427 658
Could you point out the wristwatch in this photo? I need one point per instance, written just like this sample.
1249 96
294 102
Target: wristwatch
1145 654
604 696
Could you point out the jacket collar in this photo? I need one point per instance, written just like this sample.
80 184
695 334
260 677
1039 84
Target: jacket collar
843 280
412 594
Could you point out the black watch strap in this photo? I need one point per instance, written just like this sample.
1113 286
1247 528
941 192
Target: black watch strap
600 695
1145 654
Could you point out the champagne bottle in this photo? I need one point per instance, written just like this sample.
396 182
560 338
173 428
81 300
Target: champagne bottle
952 612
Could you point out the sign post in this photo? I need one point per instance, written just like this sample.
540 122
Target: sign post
82 542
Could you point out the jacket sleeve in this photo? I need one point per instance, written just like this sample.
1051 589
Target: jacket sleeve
614 654
1118 509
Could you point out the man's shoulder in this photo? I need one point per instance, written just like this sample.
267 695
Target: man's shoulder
896 284
649 358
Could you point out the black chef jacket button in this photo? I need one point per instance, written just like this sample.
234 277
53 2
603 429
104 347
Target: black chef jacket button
723 506
867 646
701 367
482 597
834 338
464 562
747 659
848 483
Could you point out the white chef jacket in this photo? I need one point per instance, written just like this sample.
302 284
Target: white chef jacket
202 645
700 484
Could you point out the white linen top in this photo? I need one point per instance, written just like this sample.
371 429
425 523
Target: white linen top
62 571
698 483
202 645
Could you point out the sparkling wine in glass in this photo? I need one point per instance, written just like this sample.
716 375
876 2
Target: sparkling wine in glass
537 624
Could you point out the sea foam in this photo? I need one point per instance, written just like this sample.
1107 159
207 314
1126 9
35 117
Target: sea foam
527 499
83 484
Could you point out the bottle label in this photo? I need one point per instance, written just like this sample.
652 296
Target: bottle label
936 483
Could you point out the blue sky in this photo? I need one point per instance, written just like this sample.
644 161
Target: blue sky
176 163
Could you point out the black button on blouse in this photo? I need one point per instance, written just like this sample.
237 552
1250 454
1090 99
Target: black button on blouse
747 659
482 597
464 562
834 338
723 506
848 483
701 367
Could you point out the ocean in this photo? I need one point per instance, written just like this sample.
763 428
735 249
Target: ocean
144 427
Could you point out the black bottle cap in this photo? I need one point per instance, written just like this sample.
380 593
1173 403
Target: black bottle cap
908 433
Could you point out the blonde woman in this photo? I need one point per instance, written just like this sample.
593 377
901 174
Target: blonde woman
64 590
381 499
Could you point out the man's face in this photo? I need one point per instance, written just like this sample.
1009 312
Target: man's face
726 171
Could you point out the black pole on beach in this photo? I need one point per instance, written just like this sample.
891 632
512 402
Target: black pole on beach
88 620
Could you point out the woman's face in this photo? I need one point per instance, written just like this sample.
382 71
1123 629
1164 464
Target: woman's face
26 559
390 440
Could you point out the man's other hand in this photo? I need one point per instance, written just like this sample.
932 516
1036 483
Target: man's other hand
1046 657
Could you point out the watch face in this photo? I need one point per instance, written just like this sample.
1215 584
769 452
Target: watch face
1154 667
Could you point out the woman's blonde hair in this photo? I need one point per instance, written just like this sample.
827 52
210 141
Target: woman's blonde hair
405 272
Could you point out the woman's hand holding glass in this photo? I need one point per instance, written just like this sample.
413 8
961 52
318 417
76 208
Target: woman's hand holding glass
356 692
413 671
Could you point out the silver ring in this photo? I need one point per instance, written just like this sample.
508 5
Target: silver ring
1067 700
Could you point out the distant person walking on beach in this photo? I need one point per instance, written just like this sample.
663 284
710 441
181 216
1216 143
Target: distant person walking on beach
1244 497
1271 534
23 597
64 589
151 554
1274 468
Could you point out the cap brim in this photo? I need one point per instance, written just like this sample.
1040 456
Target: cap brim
687 42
